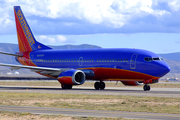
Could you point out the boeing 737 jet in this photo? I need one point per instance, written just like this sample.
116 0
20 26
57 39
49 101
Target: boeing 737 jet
73 67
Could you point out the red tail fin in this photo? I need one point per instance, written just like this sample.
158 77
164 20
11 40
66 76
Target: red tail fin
26 39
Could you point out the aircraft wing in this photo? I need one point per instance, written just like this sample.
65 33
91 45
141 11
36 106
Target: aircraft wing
42 70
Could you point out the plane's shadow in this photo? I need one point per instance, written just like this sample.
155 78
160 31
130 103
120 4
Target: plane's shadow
87 90
60 89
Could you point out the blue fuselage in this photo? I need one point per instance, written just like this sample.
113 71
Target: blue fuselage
130 60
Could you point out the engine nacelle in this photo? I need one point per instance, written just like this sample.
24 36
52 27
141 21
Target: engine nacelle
132 83
72 77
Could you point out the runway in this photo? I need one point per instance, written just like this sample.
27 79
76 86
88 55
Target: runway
94 113
132 91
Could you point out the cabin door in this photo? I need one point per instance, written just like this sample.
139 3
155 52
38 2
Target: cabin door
80 61
133 61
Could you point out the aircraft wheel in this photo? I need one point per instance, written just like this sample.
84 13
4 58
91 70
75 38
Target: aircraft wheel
102 85
63 86
146 87
66 86
97 85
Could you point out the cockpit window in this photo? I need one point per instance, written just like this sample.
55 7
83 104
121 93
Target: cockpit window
149 59
156 58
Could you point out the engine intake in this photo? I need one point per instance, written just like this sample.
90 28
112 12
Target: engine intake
72 77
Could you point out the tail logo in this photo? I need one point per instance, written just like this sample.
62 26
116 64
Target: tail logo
25 27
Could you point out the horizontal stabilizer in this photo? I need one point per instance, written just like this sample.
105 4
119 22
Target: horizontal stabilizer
16 55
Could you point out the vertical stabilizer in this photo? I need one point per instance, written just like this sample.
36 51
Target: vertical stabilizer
26 39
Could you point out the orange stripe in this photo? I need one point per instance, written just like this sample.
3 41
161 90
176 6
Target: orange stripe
27 42
64 77
31 63
21 48
20 31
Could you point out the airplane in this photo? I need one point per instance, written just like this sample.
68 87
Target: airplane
132 67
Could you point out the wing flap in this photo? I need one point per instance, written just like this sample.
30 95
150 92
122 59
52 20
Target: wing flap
45 70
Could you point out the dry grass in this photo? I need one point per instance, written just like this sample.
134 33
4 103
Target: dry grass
93 102
28 116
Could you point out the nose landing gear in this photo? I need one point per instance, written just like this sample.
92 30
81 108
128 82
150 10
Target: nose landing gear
146 87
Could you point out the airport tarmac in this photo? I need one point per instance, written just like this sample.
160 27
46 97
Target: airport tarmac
131 91
92 113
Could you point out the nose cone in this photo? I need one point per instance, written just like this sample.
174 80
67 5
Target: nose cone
163 68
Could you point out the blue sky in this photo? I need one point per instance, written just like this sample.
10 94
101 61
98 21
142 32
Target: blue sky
146 24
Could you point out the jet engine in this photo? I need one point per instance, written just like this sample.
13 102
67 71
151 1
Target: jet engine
72 77
132 83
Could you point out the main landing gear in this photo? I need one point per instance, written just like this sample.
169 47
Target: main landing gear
146 87
66 86
99 85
